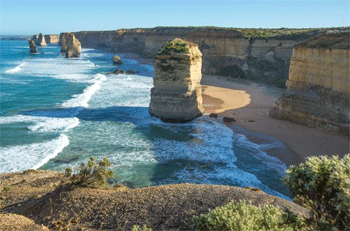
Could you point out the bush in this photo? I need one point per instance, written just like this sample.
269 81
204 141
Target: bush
92 174
245 216
323 184
143 228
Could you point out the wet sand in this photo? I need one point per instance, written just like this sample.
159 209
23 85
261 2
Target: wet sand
249 103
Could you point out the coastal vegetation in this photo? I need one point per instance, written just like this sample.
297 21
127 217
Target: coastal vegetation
91 174
177 46
320 185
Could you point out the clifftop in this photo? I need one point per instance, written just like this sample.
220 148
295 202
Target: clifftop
328 41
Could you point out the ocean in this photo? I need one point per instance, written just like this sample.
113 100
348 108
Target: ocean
56 113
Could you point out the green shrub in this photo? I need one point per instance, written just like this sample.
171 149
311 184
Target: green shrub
143 228
245 216
323 184
93 174
177 46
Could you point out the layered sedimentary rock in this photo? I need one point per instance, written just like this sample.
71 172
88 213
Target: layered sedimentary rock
225 51
52 38
39 40
318 84
177 93
33 49
70 45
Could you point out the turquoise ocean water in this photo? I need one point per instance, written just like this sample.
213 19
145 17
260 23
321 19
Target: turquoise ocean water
56 113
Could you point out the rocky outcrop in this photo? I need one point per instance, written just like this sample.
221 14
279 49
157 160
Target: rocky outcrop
177 93
318 84
225 51
52 38
39 40
70 45
116 60
33 49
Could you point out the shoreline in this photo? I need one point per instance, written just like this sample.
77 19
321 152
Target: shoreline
249 103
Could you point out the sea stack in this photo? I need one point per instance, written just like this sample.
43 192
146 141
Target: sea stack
116 60
177 93
32 47
70 45
318 84
39 40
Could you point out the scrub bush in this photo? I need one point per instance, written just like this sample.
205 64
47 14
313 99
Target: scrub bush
245 216
323 184
91 175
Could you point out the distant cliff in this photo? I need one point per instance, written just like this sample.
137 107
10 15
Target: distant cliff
261 55
51 38
318 84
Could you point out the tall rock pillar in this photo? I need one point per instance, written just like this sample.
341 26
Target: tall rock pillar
177 93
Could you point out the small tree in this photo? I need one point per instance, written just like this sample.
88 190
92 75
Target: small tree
323 183
93 174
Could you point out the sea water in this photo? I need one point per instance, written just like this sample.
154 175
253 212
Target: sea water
56 113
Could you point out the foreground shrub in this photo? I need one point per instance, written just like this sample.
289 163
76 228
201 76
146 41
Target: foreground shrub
245 216
323 184
138 228
91 175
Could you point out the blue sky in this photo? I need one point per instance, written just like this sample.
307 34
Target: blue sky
55 16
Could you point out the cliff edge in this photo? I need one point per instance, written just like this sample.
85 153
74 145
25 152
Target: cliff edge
318 84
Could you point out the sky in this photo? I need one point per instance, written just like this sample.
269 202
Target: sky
29 17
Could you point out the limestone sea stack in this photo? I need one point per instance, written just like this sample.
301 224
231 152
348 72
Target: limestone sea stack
318 84
33 49
51 38
70 45
39 40
177 93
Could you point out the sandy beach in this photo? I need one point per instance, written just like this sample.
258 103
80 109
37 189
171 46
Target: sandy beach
249 103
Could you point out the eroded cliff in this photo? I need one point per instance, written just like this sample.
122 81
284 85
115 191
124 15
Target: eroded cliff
318 84
52 38
177 93
231 52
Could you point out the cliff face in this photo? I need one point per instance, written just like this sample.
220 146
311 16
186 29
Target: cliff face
177 93
318 84
52 38
224 50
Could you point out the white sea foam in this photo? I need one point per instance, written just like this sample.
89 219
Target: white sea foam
31 155
263 157
42 123
16 69
81 100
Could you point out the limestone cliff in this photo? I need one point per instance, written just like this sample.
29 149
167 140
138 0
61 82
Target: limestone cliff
32 48
52 38
225 51
70 45
177 93
318 84
39 40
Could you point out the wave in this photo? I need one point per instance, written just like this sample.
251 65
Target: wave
16 69
31 156
81 100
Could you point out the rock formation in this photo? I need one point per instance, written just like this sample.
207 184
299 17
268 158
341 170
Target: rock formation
70 45
52 38
39 40
258 54
116 60
318 84
32 47
177 93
